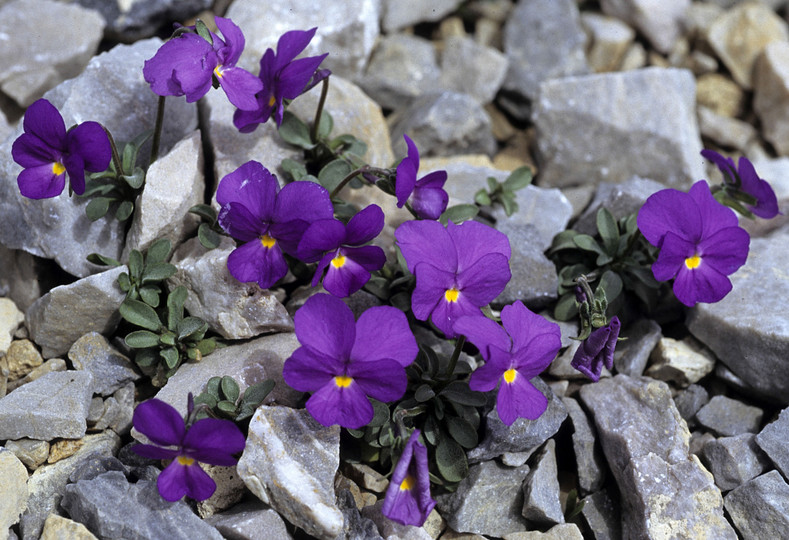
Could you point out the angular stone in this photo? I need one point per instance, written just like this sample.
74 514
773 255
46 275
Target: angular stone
645 440
772 439
631 356
117 411
398 14
472 69
682 362
22 357
609 40
173 184
541 489
392 529
661 23
563 531
233 309
18 277
719 94
245 521
131 20
367 477
588 457
15 494
545 209
734 460
50 366
523 435
725 131
443 124
64 314
488 501
297 484
639 122
55 405
689 401
534 279
52 42
59 528
10 319
728 417
771 94
110 369
31 452
619 199
760 508
602 516
741 33
230 489
95 503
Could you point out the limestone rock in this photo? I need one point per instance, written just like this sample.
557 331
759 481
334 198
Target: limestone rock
589 460
683 362
541 488
398 14
725 131
472 69
760 508
22 357
10 319
14 499
619 199
50 366
31 452
110 369
631 356
59 528
248 519
18 277
734 460
729 417
662 23
534 279
131 20
609 39
720 94
772 439
689 401
771 94
602 516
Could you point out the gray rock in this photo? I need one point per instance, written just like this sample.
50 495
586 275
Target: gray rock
117 411
771 92
543 40
760 508
646 444
698 440
47 484
55 405
297 484
541 489
96 502
14 499
523 435
52 41
355 525
50 366
589 459
546 209
609 40
95 465
619 199
233 309
662 23
173 184
398 14
640 122
444 124
681 362
401 68
134 19
631 356
563 531
59 528
471 68
534 280
734 460
689 401
111 91
726 131
66 313
602 516
389 528
18 277
31 452
10 320
110 369
728 417
562 365
245 521
772 439
347 31
488 501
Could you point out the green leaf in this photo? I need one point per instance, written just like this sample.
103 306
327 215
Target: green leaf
255 394
123 281
565 308
459 213
326 125
333 173
451 460
587 243
206 399
348 145
167 338
229 388
206 346
103 260
150 295
208 237
463 432
189 327
609 230
295 132
140 314
226 408
482 198
611 284
158 251
170 356
136 179
203 32
205 212
519 178
424 393
147 357
97 208
124 210
493 184
142 339
212 387
295 169
431 430
459 392
175 306
158 271
135 265
508 202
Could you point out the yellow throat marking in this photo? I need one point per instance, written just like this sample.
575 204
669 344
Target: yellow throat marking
338 261
272 100
218 72
184 460
451 295
58 168
267 241
407 483
693 262
510 375
343 381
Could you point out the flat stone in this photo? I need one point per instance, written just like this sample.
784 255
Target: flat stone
772 439
50 366
398 14
631 356
66 313
245 521
10 320
22 357
297 484
541 488
720 94
725 131
110 369
734 460
689 401
472 69
95 503
639 122
117 411
545 209
602 516
18 276
662 23
619 199
590 463
682 362
771 94
367 477
14 499
729 417
645 440
534 280
233 309
609 39
59 528
230 489
392 529
31 452
563 531
55 405
760 508
53 42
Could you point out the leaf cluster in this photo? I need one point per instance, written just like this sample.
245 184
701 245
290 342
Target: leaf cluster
503 193
222 398
208 232
146 273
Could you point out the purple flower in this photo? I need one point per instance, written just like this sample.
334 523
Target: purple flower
408 499
47 152
209 440
282 78
746 180
268 220
459 269
597 350
699 240
341 251
186 65
343 361
513 355
427 195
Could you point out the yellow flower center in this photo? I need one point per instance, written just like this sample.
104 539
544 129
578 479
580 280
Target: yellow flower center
184 460
58 168
343 381
272 100
218 71
510 375
267 241
407 483
452 295
693 262
338 261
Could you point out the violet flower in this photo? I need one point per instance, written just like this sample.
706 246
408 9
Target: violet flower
187 64
745 179
268 221
343 361
597 350
341 252
48 152
426 195
699 240
408 499
282 78
209 440
459 269
513 355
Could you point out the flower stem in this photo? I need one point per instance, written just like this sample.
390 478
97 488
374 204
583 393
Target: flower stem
319 112
356 172
455 355
116 158
157 130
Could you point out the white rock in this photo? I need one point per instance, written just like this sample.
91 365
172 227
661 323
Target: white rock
683 362
771 94
661 21
609 40
14 499
10 319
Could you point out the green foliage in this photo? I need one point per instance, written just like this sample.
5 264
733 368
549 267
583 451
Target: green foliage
208 232
458 214
573 506
223 399
143 281
503 193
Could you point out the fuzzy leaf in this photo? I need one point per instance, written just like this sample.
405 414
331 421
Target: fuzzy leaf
150 295
140 314
609 230
333 173
459 392
482 198
295 169
295 132
463 432
142 339
97 208
170 356
212 387
229 388
209 238
326 125
459 213
424 393
205 212
255 394
124 210
158 251
226 408
158 271
136 179
103 260
135 265
519 178
565 308
192 328
451 460
175 306
146 357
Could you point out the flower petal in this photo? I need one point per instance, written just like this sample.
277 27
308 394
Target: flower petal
673 254
160 422
405 179
294 77
384 380
178 480
346 280
670 210
290 44
240 87
30 151
252 185
214 441
474 240
347 406
482 282
714 216
154 452
308 370
483 333
427 241
40 182
254 262
702 284
233 39
520 399
431 286
364 226
321 236
44 121
240 223
767 203
90 142
382 332
726 250
324 323
523 325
